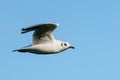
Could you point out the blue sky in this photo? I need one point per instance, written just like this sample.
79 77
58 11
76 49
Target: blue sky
92 26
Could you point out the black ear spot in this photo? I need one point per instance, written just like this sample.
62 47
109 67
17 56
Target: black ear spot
61 44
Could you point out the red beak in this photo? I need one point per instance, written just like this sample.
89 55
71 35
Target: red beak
72 47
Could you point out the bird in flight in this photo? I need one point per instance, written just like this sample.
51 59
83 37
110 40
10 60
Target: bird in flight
43 41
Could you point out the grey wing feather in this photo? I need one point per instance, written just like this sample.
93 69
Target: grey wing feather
40 26
43 32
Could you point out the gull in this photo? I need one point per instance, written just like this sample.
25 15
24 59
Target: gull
43 41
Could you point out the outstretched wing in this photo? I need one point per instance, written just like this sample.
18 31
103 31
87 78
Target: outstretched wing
43 32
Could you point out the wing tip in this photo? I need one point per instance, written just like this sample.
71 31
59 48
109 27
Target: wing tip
20 50
24 31
14 50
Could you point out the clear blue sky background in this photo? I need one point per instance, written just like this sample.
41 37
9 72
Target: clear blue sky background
92 26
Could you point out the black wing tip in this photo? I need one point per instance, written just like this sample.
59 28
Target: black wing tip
14 50
23 32
20 50
28 29
22 29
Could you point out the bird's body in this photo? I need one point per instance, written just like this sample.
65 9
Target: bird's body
44 41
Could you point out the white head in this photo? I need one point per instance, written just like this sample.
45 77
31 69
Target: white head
65 45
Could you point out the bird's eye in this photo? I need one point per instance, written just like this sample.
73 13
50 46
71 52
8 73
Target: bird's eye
65 44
